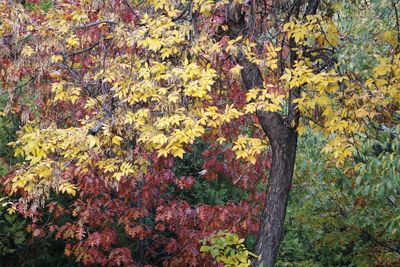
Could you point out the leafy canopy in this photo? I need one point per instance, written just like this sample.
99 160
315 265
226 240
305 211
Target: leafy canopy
115 91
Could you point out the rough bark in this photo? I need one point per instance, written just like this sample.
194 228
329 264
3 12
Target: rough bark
283 145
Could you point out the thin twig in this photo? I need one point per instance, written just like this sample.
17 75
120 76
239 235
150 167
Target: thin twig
84 50
20 86
380 243
84 26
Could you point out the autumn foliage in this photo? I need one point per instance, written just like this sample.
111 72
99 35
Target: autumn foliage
114 96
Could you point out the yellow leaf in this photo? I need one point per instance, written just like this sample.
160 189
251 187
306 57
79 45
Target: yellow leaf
92 141
56 58
27 51
116 140
390 37
236 70
162 152
68 188
72 41
361 113
159 139
118 176
221 140
178 152
252 94
109 36
382 69
250 108
11 210
332 34
301 130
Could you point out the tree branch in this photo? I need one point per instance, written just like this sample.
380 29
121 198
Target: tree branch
397 23
20 86
380 243
84 50
312 7
293 112
84 26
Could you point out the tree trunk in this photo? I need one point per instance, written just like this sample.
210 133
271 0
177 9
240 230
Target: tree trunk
283 147
282 135
283 140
